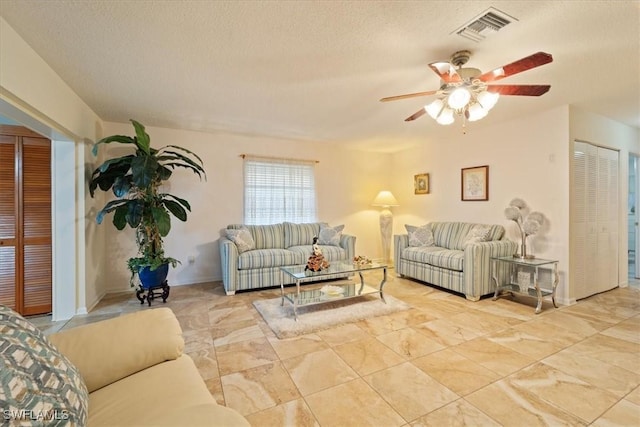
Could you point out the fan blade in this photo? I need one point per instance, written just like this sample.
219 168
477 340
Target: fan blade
409 95
522 90
524 64
415 115
446 71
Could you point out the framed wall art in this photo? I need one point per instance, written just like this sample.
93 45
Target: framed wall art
421 183
475 183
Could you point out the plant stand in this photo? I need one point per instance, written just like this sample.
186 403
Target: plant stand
161 290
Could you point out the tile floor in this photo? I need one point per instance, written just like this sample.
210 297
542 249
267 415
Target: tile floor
445 362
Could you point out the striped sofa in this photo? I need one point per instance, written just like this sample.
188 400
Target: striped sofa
276 245
452 262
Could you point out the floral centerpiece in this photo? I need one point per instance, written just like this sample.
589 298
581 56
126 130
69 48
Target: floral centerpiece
361 260
528 225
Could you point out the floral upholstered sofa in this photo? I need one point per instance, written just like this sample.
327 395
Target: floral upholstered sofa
452 255
252 255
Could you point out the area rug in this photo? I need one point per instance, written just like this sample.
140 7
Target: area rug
323 316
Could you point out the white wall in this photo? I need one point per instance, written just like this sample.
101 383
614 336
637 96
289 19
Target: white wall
347 181
32 94
28 81
527 158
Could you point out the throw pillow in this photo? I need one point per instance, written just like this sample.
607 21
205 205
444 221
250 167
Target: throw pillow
420 236
478 233
242 238
38 384
330 235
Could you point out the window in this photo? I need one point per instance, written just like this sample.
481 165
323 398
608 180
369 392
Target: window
277 190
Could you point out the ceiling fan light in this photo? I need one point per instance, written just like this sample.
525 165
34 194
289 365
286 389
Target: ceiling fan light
476 112
446 117
459 98
488 99
434 108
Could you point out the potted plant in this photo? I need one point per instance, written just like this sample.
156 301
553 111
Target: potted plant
136 179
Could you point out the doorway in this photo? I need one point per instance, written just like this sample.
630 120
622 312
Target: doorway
25 221
67 226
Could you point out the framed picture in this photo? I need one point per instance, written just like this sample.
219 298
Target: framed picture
475 183
421 183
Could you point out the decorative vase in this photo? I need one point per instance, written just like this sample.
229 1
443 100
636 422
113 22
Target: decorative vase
153 278
523 249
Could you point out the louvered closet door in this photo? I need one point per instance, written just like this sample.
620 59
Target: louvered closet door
612 216
25 221
8 221
36 224
594 219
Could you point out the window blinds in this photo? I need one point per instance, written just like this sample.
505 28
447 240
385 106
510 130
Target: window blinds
278 190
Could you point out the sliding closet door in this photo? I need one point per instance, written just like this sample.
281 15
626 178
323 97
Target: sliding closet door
25 221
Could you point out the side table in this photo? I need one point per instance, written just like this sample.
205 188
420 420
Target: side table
524 279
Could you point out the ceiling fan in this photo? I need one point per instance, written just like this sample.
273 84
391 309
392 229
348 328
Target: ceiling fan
467 92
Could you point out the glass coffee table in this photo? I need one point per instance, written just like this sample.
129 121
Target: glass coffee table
329 292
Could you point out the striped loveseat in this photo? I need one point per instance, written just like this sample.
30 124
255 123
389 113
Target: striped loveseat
452 255
275 246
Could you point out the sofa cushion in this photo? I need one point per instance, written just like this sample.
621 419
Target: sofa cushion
300 234
478 233
265 236
242 238
265 258
150 337
35 376
330 253
435 256
451 235
143 398
330 235
420 236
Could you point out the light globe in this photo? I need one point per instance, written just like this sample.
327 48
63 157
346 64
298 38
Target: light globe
459 98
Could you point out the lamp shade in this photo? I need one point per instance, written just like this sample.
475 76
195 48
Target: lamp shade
446 117
434 108
488 99
476 112
385 198
459 98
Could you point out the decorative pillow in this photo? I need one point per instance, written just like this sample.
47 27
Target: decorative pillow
420 236
330 235
242 238
296 234
478 233
38 384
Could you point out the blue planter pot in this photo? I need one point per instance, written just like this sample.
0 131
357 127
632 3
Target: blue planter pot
152 279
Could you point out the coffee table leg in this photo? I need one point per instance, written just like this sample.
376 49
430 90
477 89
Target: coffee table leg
361 282
282 288
384 280
297 300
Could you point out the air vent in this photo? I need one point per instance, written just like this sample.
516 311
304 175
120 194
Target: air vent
490 21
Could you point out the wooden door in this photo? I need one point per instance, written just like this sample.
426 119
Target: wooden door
25 221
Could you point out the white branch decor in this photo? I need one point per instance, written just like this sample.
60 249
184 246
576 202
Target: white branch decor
528 225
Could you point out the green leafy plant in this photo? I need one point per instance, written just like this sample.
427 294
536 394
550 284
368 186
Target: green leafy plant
135 181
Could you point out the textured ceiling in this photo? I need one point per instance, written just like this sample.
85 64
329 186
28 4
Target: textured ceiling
316 70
